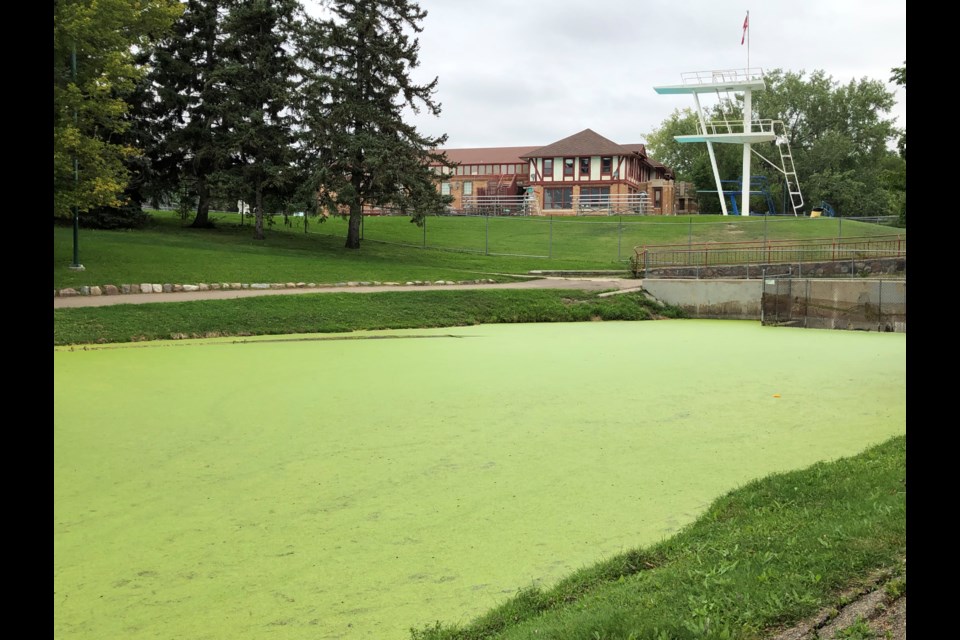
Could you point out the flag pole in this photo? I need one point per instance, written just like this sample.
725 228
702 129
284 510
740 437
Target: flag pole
748 41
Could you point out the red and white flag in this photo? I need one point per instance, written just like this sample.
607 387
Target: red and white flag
746 25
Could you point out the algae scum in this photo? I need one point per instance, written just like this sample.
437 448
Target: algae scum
349 488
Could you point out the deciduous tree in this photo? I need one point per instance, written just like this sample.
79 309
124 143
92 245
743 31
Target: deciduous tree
95 44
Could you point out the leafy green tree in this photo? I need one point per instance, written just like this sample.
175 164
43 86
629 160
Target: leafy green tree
261 77
94 69
896 176
900 77
358 86
840 136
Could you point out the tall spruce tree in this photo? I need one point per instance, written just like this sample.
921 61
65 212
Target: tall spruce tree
261 77
187 112
357 89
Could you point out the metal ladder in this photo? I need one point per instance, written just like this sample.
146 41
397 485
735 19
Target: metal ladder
789 170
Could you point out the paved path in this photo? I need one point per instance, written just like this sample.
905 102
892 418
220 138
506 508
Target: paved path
598 283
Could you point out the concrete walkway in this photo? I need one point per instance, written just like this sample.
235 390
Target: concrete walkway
597 283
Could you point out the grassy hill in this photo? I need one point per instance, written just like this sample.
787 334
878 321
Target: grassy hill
393 249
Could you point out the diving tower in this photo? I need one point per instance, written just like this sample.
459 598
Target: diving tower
744 132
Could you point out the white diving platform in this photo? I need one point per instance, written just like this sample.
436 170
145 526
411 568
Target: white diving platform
713 81
744 132
729 138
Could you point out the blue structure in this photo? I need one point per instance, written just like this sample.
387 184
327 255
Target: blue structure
759 186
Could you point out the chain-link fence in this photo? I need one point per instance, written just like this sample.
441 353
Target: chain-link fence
594 238
866 305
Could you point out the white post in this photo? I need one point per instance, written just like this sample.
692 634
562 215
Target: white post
713 158
745 189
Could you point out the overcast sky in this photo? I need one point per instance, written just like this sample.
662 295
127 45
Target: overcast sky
530 72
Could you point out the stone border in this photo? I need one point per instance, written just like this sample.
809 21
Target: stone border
148 287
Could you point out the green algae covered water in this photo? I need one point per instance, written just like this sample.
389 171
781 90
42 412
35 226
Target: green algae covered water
355 486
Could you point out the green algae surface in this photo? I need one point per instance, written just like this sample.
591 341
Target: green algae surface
355 486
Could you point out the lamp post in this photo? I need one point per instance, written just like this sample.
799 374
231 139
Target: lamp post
75 265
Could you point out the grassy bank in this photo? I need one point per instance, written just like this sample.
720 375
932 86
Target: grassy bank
762 557
447 248
338 312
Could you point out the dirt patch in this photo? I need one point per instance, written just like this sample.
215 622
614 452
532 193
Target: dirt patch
875 609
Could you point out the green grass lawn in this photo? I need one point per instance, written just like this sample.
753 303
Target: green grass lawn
393 249
340 312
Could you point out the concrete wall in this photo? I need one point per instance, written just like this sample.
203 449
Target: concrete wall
831 303
866 305
729 299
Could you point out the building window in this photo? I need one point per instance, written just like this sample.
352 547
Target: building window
468 188
568 167
522 168
584 167
606 165
548 167
444 188
594 197
658 197
558 198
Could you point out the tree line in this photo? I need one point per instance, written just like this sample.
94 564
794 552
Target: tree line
161 100
204 102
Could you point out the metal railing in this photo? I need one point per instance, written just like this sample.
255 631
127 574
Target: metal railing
771 252
519 205
714 127
722 76
613 205
600 204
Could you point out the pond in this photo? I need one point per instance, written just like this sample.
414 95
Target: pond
356 485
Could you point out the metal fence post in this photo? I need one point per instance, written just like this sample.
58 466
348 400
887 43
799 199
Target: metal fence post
550 246
880 305
486 235
424 232
619 236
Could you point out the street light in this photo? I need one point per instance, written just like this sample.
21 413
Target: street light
75 265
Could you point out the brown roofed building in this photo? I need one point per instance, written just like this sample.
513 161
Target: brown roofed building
581 174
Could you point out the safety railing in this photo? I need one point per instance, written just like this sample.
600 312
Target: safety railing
715 254
725 76
617 204
518 205
714 127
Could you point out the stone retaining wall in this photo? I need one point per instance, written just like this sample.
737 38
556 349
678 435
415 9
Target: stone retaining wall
148 287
